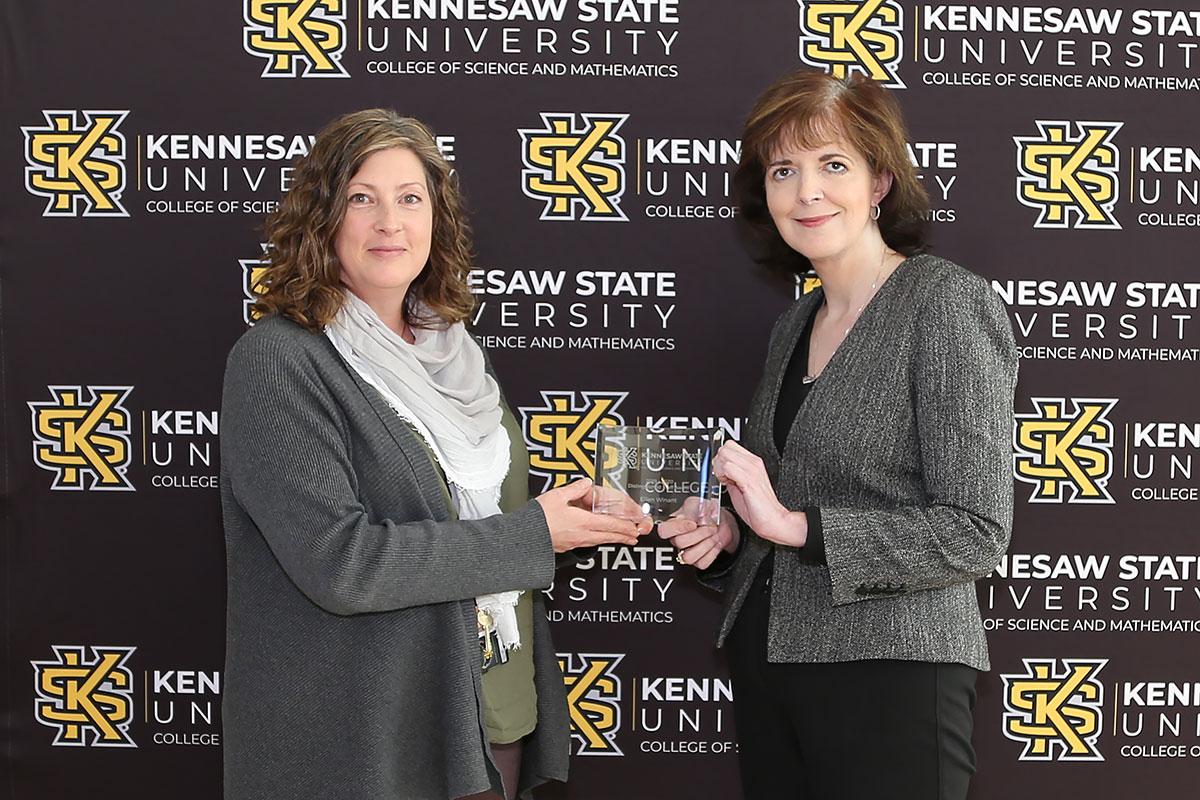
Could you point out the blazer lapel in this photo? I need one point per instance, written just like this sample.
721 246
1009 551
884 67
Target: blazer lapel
862 344
778 359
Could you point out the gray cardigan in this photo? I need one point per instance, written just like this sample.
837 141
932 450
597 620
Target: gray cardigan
905 445
352 663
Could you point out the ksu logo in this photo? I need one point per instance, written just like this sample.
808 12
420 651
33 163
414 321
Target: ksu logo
558 433
576 167
593 701
807 284
1055 711
1057 450
89 702
1069 177
76 438
848 36
77 164
304 38
253 270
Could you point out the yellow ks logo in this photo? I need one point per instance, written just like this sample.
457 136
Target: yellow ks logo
1056 714
87 702
1057 450
848 36
304 38
253 270
559 433
576 167
593 701
77 164
1069 177
807 283
75 438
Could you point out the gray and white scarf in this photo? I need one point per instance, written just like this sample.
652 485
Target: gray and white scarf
439 386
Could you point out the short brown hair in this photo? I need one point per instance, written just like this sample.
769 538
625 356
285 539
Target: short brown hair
303 279
808 108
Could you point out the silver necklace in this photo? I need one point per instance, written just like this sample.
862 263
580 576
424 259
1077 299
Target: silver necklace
871 296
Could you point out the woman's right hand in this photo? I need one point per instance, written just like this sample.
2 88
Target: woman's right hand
572 526
699 545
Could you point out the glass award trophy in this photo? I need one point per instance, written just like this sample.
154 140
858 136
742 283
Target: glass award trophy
660 472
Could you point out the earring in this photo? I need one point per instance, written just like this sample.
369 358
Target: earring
875 212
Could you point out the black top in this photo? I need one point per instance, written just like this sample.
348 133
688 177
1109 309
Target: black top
792 393
794 389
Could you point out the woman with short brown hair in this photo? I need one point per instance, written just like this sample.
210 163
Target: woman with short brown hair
873 486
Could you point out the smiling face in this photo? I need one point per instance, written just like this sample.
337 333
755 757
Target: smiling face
821 199
383 242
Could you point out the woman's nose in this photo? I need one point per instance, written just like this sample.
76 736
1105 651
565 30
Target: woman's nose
808 189
390 219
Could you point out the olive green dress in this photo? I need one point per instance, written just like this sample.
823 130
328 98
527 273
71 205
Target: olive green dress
509 697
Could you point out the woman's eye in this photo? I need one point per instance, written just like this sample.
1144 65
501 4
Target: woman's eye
359 198
411 199
836 166
780 173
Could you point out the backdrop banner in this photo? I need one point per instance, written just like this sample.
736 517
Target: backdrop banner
143 143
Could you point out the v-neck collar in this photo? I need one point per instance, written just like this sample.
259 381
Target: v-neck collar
848 344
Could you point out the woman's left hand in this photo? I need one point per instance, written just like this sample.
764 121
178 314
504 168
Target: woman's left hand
607 500
745 478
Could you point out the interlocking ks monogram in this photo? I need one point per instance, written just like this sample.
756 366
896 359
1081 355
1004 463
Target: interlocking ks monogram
559 433
78 165
253 270
85 442
576 167
593 701
807 284
1059 450
89 702
304 38
851 36
1056 714
1069 177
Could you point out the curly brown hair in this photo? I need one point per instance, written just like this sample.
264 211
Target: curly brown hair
303 279
808 108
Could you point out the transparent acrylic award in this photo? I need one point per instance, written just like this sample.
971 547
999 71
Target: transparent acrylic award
660 472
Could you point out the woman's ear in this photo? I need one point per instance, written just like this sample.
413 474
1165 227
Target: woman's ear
883 185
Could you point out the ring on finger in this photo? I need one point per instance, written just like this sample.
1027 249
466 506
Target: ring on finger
679 558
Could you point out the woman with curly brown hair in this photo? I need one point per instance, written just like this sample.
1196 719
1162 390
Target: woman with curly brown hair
385 638
874 483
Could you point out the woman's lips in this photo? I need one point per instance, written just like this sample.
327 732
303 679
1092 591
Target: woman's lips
813 222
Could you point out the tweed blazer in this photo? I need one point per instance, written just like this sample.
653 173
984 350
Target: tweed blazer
352 660
904 444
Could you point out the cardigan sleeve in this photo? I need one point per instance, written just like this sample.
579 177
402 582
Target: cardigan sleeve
561 560
964 375
286 453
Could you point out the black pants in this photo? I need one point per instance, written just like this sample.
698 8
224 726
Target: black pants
847 731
